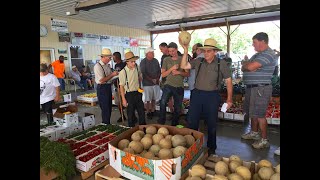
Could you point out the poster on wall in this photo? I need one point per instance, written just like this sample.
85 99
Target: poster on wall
59 25
125 42
64 37
133 42
105 40
93 39
78 38
116 41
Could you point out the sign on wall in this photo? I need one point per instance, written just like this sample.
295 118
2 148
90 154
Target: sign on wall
59 25
64 37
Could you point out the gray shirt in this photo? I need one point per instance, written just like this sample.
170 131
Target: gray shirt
150 68
208 74
263 75
75 75
101 72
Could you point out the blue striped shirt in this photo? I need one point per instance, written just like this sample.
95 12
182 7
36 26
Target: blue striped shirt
264 74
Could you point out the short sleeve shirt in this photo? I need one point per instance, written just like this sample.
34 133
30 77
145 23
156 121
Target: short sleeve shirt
177 80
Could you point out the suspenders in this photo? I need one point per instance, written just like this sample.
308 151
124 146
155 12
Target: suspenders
202 59
127 77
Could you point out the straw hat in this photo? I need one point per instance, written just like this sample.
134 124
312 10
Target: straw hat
129 56
210 44
106 52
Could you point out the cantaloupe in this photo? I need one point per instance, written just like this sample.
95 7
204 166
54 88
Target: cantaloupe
185 37
124 143
157 138
190 140
136 146
143 152
168 136
165 143
165 154
148 155
193 178
136 136
151 130
129 150
235 176
265 173
141 133
275 176
198 171
178 140
164 131
233 166
243 172
146 142
178 151
221 168
155 149
277 169
264 163
148 135
219 177
235 158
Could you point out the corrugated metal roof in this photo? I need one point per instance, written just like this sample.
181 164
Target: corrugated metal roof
140 13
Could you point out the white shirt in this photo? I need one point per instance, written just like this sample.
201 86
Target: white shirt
101 72
75 75
48 84
192 77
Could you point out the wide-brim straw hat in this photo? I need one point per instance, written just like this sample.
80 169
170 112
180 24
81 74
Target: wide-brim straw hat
129 56
106 52
210 44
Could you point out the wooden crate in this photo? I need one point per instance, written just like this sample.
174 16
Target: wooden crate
85 102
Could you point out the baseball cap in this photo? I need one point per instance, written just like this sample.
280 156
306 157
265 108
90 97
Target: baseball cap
149 49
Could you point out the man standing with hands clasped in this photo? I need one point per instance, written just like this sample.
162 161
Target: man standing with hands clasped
205 96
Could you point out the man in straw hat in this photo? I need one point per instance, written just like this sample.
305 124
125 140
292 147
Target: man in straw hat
173 87
129 81
103 74
205 98
257 74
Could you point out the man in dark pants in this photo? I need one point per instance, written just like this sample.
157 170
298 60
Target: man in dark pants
129 81
103 74
205 97
173 87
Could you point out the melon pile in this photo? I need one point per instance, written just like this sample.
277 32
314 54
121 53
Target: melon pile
156 143
233 169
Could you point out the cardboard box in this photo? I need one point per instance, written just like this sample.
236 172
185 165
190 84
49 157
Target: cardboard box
220 115
157 108
76 128
86 166
135 167
87 121
228 116
269 120
238 117
66 120
50 134
276 121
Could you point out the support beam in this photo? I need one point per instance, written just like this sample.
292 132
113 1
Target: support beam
246 21
93 4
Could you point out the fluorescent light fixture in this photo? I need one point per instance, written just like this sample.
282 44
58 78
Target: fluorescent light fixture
71 11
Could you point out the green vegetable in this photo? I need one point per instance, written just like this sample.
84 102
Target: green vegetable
57 157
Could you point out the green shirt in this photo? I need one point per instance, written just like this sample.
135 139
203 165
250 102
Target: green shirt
177 80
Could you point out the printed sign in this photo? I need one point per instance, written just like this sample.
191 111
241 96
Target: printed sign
59 25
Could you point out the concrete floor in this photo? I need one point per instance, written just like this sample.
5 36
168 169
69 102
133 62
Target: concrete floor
228 135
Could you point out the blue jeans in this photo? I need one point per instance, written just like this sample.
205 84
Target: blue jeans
82 84
62 84
167 92
205 103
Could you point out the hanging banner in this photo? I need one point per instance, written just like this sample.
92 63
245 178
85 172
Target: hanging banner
125 42
59 25
105 40
93 39
133 42
64 37
78 38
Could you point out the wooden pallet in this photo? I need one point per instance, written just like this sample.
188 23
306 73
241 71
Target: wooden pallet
85 102
86 175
